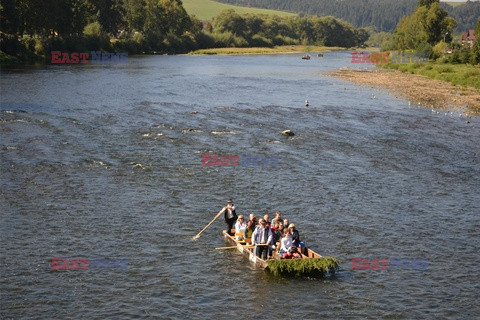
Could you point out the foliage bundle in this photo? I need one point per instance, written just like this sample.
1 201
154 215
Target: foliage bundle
310 267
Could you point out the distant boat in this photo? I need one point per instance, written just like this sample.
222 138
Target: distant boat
306 57
320 55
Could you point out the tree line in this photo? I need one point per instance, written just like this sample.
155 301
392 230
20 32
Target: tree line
381 15
265 31
429 30
33 28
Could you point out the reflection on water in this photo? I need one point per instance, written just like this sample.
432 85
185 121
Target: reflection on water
105 161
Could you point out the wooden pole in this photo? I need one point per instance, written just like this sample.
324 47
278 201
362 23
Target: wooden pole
249 246
208 225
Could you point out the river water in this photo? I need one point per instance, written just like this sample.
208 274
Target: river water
104 161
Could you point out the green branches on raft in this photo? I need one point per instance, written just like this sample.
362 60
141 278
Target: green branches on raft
310 267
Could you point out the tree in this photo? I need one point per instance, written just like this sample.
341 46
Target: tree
229 21
167 24
475 57
425 27
135 14
427 3
109 13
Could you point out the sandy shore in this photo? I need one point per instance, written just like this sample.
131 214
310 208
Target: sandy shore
417 89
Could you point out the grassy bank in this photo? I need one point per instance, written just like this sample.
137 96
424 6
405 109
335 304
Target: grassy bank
456 74
207 9
265 50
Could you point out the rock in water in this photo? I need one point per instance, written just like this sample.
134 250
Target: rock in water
288 133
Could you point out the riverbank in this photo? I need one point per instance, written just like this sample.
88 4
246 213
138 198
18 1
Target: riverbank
457 74
418 89
265 50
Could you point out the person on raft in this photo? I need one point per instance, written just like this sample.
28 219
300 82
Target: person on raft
262 239
230 215
240 228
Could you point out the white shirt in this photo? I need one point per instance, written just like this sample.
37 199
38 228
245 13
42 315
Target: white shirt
230 209
240 226
286 243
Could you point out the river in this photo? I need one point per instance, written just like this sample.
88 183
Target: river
104 161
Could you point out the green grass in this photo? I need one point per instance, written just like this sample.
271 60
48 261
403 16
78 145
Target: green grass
207 9
312 267
457 74
265 50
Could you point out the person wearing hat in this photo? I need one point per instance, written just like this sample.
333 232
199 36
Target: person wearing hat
240 227
296 238
230 215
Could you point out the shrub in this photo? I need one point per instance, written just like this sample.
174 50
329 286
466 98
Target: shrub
29 43
204 40
260 41
95 38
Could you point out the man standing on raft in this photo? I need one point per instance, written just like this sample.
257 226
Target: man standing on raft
230 215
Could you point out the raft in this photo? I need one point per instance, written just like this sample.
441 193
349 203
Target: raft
311 263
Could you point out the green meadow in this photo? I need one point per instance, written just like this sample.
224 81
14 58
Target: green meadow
207 9
457 74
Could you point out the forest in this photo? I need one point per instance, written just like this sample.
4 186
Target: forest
381 15
31 29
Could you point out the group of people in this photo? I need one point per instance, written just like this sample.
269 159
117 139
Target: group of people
267 236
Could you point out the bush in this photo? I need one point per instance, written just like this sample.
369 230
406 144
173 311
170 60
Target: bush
439 50
284 40
465 54
424 47
140 42
29 43
39 49
125 45
95 38
7 59
223 40
239 42
204 40
260 41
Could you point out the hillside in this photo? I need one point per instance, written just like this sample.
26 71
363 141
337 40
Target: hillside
207 9
383 15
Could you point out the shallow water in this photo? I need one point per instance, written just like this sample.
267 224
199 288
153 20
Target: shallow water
105 161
